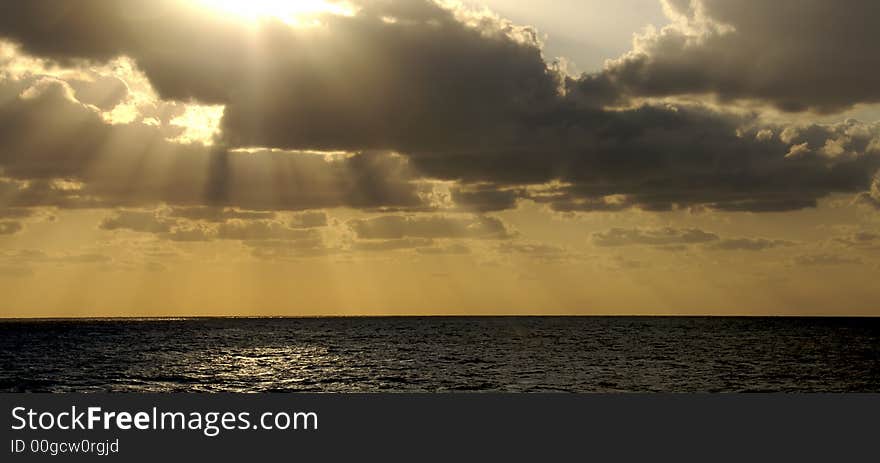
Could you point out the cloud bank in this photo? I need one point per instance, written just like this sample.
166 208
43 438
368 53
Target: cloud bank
415 91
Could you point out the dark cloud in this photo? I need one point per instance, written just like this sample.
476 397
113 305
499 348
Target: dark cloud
460 96
218 214
451 249
260 230
819 260
137 221
312 219
623 263
869 199
860 240
24 195
274 239
47 135
14 212
392 244
485 198
673 247
566 199
171 228
25 258
872 196
24 255
652 237
540 251
155 267
155 222
191 233
794 54
766 205
308 246
91 258
392 227
681 239
468 84
660 158
749 244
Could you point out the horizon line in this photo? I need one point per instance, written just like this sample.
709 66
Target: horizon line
293 317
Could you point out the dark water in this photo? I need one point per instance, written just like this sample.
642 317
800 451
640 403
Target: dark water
443 354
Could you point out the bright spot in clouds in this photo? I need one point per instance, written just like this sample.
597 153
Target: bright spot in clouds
289 11
199 123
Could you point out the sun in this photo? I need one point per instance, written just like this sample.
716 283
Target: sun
290 11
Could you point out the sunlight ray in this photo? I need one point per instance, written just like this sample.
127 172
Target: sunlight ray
296 12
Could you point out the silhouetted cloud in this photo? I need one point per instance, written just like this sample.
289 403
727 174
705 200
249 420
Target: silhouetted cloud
652 236
397 227
860 240
311 219
218 214
169 226
15 212
311 245
818 260
27 258
749 244
137 221
872 196
392 244
537 250
383 91
794 54
259 230
482 109
485 198
682 239
48 135
451 249
190 233
91 258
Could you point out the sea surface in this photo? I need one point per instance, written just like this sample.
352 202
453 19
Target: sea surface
439 354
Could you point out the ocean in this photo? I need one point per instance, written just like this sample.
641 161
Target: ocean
442 354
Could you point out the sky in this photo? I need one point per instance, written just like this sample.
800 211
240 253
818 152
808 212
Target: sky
301 158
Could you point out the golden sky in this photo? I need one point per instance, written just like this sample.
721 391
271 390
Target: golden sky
225 157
